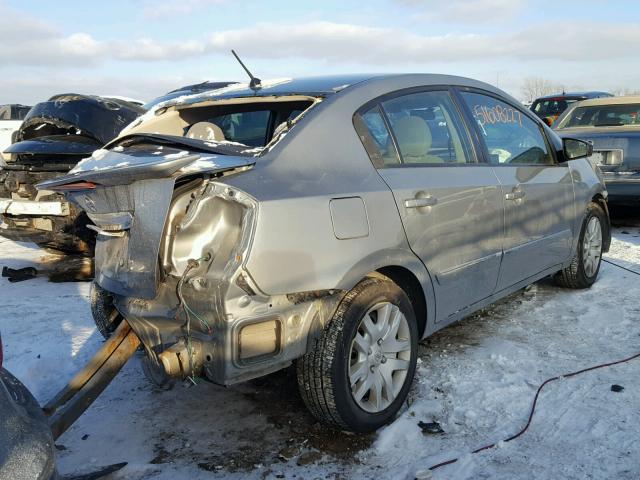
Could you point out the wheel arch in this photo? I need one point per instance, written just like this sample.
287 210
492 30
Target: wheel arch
599 199
404 268
409 283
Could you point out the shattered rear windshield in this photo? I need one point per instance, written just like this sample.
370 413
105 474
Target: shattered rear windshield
253 124
244 125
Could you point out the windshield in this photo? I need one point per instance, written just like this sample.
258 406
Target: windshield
602 116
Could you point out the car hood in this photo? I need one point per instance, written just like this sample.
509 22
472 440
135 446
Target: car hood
96 117
57 133
55 144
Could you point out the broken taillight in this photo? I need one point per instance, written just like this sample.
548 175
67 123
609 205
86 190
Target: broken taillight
67 187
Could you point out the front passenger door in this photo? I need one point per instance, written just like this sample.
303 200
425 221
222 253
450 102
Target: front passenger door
537 191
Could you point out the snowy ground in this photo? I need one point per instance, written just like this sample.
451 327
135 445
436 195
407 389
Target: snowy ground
476 378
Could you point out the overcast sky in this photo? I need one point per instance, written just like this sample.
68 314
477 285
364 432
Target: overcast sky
143 48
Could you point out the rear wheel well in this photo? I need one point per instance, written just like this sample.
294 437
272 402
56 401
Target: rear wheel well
599 199
410 284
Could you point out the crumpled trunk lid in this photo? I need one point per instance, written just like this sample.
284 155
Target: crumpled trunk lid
127 195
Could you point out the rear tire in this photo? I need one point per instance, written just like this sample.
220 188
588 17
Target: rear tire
105 315
358 373
585 265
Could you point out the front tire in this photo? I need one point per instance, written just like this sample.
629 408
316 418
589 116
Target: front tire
358 373
585 265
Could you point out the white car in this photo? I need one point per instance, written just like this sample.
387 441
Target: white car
11 117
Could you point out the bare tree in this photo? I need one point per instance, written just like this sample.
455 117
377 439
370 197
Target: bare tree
621 92
534 87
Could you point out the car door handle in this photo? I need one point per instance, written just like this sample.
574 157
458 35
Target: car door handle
428 201
515 194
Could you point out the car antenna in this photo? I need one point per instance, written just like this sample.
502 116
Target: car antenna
255 82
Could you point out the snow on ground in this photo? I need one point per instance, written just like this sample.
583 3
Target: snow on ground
476 378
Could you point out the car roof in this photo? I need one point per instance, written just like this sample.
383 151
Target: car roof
185 90
202 86
312 86
610 101
324 86
591 94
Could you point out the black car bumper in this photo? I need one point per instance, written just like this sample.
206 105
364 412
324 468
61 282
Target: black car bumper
26 443
623 191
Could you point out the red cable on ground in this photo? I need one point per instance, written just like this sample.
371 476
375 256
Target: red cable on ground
533 407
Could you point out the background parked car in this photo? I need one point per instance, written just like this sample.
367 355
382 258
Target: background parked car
11 116
612 125
304 220
54 137
26 443
550 107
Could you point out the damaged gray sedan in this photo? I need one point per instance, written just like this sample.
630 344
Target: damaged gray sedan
332 222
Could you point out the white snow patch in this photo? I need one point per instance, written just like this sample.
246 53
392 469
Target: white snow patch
180 154
99 154
476 379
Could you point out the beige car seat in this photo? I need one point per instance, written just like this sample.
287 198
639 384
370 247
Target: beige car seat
414 138
205 131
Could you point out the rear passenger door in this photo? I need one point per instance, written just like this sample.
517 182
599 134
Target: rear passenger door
536 190
449 203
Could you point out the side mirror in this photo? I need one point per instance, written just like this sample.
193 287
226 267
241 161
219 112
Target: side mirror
574 148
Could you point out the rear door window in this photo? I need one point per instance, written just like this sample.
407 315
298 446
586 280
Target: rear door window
428 129
552 107
511 137
375 137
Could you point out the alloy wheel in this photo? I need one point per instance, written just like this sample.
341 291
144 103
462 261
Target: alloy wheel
379 357
592 246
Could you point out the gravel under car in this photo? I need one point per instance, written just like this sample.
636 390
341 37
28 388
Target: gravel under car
331 222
